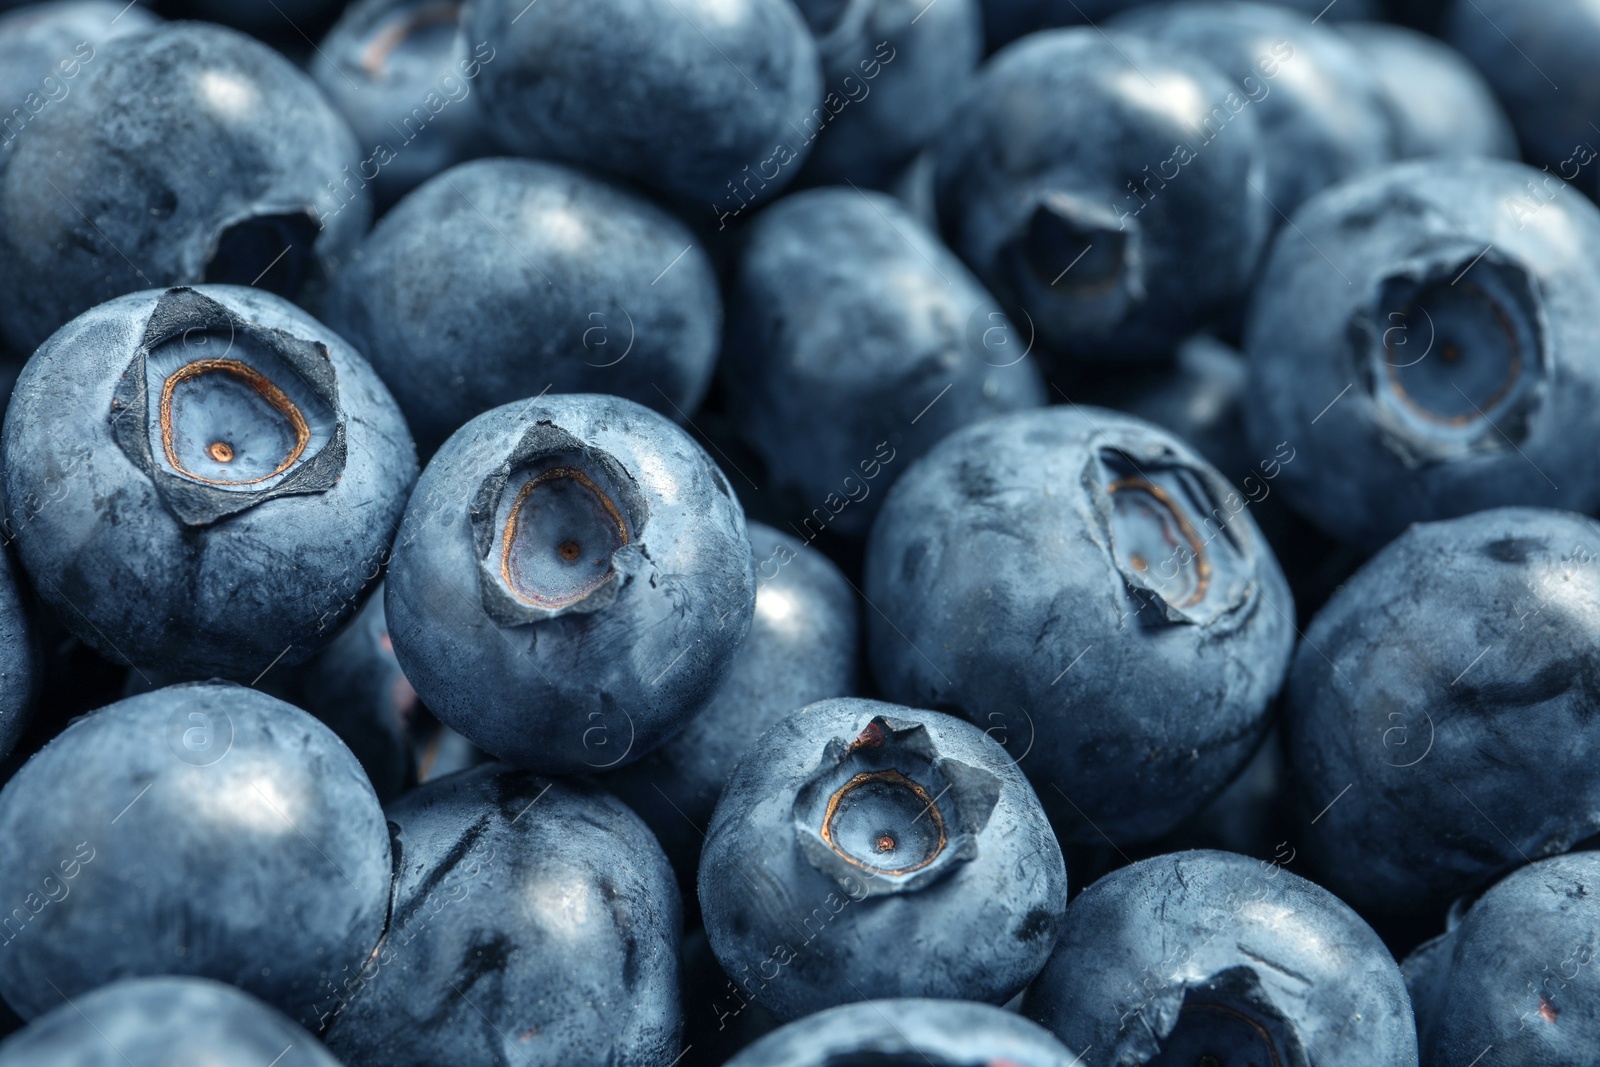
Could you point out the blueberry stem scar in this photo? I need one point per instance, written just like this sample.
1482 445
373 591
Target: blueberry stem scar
257 381
1451 355
569 550
894 778
1202 565
376 54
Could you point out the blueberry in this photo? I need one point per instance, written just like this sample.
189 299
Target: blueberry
403 74
1440 360
1539 60
893 71
1126 236
19 657
504 278
533 922
1518 971
1443 696
46 48
202 480
801 649
891 1033
1086 588
1440 104
145 1022
1319 104
715 100
911 348
191 154
863 846
204 829
1213 958
570 583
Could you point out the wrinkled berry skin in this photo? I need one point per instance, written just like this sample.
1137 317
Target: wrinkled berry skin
175 1021
1319 103
1447 687
892 73
1440 104
45 50
255 852
504 278
802 648
1025 594
404 76
932 1031
720 101
1447 365
1157 959
801 921
911 348
156 568
1539 60
1517 972
569 663
19 656
543 908
230 156
1131 233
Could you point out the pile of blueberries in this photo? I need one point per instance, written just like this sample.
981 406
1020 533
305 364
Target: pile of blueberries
800 533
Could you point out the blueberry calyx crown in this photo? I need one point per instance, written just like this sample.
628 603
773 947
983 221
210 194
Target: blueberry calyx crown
886 812
1226 1019
1079 256
222 414
554 525
1452 349
1178 542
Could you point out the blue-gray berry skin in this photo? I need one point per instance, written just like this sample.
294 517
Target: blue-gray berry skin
404 76
802 648
1121 239
716 101
1213 954
534 922
47 49
1006 20
1447 365
202 829
892 71
909 1031
502 279
214 535
1086 588
1444 697
170 1022
1537 58
1318 101
579 628
1440 104
1517 972
865 846
857 343
230 157
19 655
